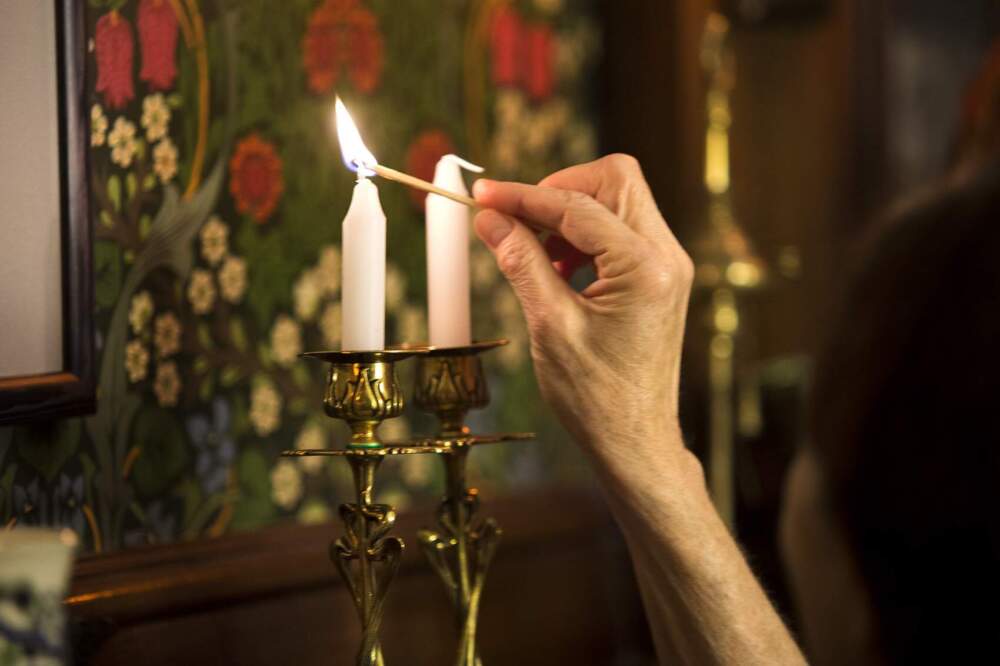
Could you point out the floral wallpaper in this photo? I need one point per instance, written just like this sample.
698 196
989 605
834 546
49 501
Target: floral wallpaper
217 194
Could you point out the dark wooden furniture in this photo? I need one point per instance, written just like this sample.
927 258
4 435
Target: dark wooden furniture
560 592
72 391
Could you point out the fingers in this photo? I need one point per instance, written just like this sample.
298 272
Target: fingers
586 224
606 179
525 264
616 182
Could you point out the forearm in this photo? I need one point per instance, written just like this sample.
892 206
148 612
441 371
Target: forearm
703 602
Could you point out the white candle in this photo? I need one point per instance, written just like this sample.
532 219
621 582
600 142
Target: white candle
363 265
362 285
448 258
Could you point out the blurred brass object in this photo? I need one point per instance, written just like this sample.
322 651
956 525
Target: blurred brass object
721 472
723 254
450 382
725 264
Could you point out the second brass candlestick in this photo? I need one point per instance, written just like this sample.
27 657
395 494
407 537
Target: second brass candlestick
450 382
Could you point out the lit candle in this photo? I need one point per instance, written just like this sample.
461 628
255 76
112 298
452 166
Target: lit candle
363 248
448 257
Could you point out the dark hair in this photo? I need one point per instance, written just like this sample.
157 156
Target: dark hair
907 424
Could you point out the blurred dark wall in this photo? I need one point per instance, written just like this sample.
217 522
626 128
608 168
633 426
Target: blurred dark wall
933 51
837 109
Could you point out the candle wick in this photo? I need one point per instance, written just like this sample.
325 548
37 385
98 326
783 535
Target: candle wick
359 170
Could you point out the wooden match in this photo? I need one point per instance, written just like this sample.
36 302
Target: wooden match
420 184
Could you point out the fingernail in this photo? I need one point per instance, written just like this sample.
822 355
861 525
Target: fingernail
496 228
479 187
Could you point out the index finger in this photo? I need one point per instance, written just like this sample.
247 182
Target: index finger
578 218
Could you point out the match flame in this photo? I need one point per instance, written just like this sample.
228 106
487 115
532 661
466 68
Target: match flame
357 157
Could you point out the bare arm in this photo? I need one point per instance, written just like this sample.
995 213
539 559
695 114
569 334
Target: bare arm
618 343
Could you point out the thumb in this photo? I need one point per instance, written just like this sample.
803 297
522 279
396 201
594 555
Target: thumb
524 262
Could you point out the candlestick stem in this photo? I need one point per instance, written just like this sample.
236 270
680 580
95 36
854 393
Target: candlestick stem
377 556
450 382
363 390
461 551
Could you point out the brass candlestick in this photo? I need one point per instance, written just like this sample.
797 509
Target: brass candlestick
450 382
363 389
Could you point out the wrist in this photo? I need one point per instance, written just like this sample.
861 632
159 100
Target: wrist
648 465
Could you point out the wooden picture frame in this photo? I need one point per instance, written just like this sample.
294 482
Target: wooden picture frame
71 391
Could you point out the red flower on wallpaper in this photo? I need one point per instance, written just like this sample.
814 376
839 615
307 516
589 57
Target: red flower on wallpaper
113 46
523 55
342 34
255 177
505 45
423 155
158 41
539 62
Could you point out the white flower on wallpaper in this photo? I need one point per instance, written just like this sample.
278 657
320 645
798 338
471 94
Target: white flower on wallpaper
98 126
328 270
233 279
265 408
312 436
307 294
155 117
201 291
286 341
136 361
167 385
140 311
314 512
167 334
286 484
575 48
214 237
165 160
122 142
329 325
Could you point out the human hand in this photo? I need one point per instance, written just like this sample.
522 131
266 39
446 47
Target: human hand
607 359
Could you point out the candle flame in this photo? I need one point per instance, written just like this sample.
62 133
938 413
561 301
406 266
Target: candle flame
357 157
